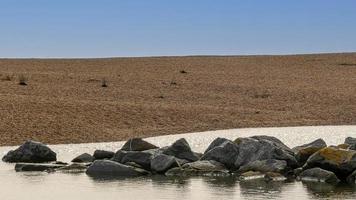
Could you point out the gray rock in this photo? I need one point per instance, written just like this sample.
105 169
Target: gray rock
319 175
21 167
138 157
199 168
303 152
101 154
137 144
31 152
225 153
352 147
252 149
275 142
205 165
263 176
270 165
352 178
181 149
108 168
73 168
217 142
340 161
350 141
83 158
161 163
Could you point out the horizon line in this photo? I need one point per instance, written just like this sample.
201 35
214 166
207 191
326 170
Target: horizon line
184 55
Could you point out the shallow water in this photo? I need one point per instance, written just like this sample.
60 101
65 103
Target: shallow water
58 186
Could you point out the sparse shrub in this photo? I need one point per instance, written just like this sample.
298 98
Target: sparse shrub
104 82
183 71
22 79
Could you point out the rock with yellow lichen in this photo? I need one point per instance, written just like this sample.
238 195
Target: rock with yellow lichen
302 153
340 161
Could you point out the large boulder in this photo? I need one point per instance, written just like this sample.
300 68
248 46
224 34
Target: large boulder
275 142
141 158
22 167
161 163
31 152
319 175
181 149
303 152
217 142
137 144
108 168
270 165
263 148
83 158
101 154
340 161
223 151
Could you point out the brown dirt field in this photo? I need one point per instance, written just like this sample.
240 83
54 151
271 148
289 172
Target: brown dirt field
65 103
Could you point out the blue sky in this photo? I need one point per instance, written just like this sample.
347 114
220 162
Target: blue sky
110 28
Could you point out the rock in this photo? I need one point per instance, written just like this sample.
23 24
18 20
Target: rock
274 176
270 165
137 144
343 146
225 153
319 175
83 158
108 168
252 149
352 178
181 149
302 153
340 161
19 167
101 154
217 142
205 165
251 175
350 141
73 168
199 168
138 157
31 152
275 142
268 176
297 171
161 163
352 147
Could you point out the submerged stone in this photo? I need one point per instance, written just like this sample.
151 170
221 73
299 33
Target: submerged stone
319 175
108 168
22 167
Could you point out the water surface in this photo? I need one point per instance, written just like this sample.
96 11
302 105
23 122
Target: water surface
59 186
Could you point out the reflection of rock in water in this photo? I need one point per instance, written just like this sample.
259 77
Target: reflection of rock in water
161 182
226 182
272 189
327 190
